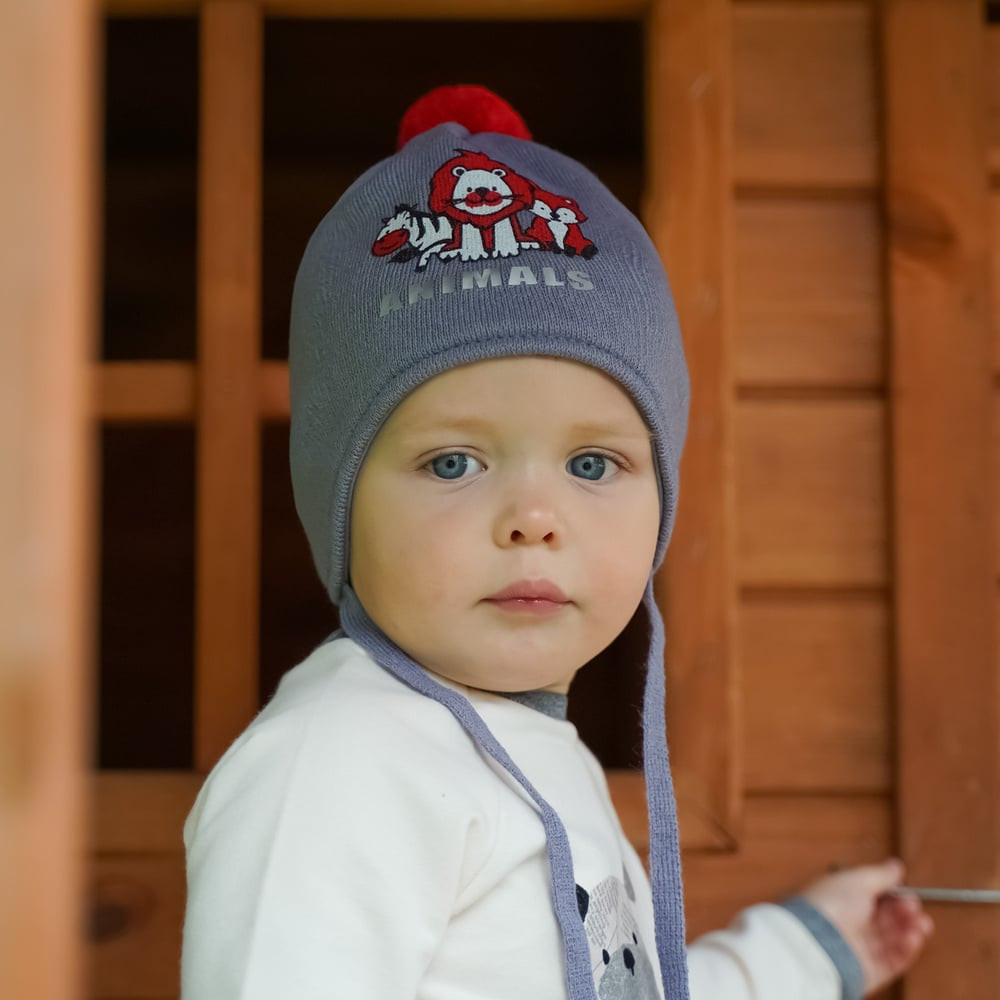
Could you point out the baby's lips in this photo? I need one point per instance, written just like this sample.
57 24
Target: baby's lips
531 590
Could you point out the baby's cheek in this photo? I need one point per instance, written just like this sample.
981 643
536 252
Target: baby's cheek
622 590
430 589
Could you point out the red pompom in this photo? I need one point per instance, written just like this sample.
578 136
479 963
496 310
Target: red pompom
478 109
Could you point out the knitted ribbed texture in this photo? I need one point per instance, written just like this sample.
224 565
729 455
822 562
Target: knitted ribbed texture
664 838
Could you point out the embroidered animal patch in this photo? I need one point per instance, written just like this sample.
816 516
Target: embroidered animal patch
475 206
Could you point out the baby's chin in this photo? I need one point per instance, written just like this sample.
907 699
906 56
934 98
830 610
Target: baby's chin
505 678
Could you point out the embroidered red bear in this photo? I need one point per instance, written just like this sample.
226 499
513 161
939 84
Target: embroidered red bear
482 197
556 225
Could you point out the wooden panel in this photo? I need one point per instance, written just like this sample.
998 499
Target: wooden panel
628 793
811 493
136 890
816 689
687 212
993 99
808 292
141 811
995 466
805 96
405 9
994 237
948 683
136 912
229 337
47 313
785 843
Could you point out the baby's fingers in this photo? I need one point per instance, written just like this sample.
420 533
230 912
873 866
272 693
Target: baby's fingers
902 928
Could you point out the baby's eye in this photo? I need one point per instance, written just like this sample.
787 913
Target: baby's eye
454 465
592 466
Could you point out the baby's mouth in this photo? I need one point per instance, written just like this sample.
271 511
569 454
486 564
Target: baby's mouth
533 596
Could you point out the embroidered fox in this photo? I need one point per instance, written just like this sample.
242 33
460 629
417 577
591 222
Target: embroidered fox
556 225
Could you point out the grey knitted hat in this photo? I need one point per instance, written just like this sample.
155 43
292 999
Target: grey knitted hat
465 245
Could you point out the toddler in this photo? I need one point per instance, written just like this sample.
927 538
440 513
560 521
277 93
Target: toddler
489 400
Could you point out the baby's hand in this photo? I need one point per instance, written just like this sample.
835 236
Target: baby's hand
886 931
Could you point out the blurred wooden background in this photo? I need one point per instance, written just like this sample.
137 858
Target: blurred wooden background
823 179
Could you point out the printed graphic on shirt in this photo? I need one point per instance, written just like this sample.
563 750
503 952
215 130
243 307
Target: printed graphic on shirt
476 204
618 960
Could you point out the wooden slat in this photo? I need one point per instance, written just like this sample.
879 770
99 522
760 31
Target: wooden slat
993 99
273 389
700 827
141 811
128 392
805 100
136 889
994 237
810 484
808 292
785 843
996 481
816 691
228 338
48 87
687 212
131 392
515 10
948 681
135 916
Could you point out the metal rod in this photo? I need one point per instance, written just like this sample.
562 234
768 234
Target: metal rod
941 895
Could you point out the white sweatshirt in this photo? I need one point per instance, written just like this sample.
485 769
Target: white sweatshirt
354 842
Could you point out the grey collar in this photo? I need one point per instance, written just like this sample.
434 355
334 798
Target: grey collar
550 703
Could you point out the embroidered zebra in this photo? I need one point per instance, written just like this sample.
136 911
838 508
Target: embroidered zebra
411 233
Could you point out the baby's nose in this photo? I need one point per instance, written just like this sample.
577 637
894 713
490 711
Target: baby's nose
533 534
529 520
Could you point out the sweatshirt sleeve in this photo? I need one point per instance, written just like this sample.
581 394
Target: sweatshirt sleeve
767 953
322 861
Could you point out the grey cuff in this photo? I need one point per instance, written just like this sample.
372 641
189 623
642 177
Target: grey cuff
852 978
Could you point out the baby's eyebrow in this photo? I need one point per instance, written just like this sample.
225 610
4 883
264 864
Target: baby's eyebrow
447 422
477 425
601 429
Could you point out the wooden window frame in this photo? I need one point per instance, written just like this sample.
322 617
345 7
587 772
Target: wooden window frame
229 390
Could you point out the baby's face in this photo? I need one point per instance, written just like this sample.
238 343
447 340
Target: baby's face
505 521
